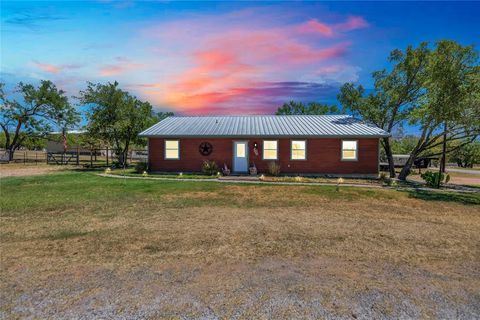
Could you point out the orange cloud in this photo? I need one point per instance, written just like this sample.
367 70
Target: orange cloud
121 66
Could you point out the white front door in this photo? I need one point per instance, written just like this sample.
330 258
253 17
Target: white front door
240 156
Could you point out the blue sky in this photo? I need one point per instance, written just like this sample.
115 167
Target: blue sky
219 57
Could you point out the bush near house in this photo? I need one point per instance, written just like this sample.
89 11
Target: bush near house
141 167
274 168
210 167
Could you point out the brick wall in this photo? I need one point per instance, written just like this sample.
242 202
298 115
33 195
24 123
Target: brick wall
323 156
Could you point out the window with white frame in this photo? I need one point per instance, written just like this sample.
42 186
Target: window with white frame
270 149
172 149
349 150
299 150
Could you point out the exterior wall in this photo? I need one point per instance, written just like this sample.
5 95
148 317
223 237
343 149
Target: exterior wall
323 155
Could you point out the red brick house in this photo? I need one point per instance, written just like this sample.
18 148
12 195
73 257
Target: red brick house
303 144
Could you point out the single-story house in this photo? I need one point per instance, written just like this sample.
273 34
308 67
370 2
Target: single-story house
303 144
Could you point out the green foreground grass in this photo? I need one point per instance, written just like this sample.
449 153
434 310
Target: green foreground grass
68 190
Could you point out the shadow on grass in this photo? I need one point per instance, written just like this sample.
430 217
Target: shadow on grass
463 198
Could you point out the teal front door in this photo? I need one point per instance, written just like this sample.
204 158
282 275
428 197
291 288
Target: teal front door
240 156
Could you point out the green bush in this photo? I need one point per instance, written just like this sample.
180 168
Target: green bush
274 168
432 178
210 167
140 167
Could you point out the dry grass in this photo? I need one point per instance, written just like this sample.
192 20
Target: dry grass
151 249
29 169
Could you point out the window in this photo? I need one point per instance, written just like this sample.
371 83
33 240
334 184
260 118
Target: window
270 149
299 150
349 150
240 150
172 149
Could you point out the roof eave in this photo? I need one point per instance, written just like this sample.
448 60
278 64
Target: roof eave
379 136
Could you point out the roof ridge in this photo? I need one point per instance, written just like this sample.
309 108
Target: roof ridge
265 115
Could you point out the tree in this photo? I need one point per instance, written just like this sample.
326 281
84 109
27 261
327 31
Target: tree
405 145
293 107
449 109
116 117
35 114
467 155
158 116
396 92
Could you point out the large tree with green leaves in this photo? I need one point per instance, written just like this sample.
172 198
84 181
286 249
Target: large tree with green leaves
467 155
448 112
293 108
37 111
397 91
116 116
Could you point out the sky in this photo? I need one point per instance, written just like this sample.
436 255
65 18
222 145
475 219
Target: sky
205 58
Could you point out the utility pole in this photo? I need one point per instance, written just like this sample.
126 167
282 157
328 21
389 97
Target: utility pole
444 152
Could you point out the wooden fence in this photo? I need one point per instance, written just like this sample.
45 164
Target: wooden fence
80 157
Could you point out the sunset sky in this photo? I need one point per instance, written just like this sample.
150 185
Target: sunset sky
219 58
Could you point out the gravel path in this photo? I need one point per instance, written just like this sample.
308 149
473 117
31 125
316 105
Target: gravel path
475 172
462 189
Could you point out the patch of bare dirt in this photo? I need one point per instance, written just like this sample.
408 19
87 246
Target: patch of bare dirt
18 170
455 178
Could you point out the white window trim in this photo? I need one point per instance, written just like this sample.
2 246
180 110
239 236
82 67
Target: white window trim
291 150
165 149
356 150
263 150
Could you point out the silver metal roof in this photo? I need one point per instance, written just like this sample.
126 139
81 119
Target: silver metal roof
264 126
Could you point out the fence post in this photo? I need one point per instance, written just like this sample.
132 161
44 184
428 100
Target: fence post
91 159
24 157
46 156
107 156
95 152
36 157
78 156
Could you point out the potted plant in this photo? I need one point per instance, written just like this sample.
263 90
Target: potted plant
225 170
253 170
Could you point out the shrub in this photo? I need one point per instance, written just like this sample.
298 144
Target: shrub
299 179
210 167
274 168
383 176
432 178
141 167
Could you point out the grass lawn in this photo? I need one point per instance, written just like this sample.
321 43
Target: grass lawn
74 244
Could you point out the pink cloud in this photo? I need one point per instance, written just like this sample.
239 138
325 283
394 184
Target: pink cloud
122 65
314 25
353 23
228 63
52 68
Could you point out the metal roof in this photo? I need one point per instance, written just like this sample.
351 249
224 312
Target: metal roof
264 126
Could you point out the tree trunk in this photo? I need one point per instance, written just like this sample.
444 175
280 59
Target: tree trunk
11 152
407 167
389 155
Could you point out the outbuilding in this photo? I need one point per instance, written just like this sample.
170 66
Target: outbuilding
300 144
